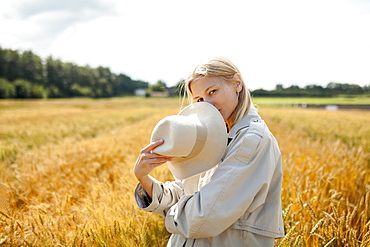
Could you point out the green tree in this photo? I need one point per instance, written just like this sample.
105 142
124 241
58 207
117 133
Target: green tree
86 77
31 77
78 91
7 90
344 88
279 87
31 68
55 78
70 77
22 88
9 64
160 86
53 92
123 85
3 64
105 78
38 92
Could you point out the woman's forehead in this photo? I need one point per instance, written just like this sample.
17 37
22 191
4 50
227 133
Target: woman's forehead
203 84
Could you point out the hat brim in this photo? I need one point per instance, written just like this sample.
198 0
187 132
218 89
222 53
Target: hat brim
215 143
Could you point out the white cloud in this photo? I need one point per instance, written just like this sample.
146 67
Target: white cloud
289 42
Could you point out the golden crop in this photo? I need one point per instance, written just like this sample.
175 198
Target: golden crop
66 173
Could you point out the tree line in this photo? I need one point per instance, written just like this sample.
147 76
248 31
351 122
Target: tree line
331 90
26 75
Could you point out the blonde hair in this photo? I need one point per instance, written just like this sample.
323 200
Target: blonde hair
225 70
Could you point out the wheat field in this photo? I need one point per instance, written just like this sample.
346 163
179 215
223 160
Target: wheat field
66 173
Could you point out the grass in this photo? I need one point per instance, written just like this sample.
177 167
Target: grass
66 173
326 186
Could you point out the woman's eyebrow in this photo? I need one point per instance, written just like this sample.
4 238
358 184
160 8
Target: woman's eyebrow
209 87
205 90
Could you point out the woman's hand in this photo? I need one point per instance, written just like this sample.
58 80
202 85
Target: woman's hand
148 160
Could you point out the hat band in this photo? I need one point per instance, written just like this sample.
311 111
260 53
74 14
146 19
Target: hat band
199 143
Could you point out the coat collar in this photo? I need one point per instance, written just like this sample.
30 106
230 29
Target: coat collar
244 122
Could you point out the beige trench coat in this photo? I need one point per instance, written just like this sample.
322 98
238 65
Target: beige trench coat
236 203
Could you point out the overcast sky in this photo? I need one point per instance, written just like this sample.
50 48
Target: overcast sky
272 42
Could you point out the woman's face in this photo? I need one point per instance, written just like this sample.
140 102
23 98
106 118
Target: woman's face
222 95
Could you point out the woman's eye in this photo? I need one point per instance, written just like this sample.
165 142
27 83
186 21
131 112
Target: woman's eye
212 92
200 100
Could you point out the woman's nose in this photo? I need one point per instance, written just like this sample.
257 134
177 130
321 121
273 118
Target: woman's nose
209 100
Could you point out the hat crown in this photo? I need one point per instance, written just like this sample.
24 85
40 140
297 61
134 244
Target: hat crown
179 134
196 139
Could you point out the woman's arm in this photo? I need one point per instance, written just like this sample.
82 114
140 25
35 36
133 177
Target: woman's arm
146 162
152 195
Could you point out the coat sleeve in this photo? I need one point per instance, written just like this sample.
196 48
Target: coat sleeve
239 184
164 195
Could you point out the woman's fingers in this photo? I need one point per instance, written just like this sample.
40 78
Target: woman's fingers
151 158
147 156
152 146
148 160
145 164
152 155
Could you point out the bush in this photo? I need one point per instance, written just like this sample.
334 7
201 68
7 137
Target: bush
22 88
54 92
25 89
7 90
38 92
77 90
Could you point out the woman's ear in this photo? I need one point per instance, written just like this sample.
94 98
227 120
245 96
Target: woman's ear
238 82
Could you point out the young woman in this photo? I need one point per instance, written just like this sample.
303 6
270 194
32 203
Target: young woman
236 203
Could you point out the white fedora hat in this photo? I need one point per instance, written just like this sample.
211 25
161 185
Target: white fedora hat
196 138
